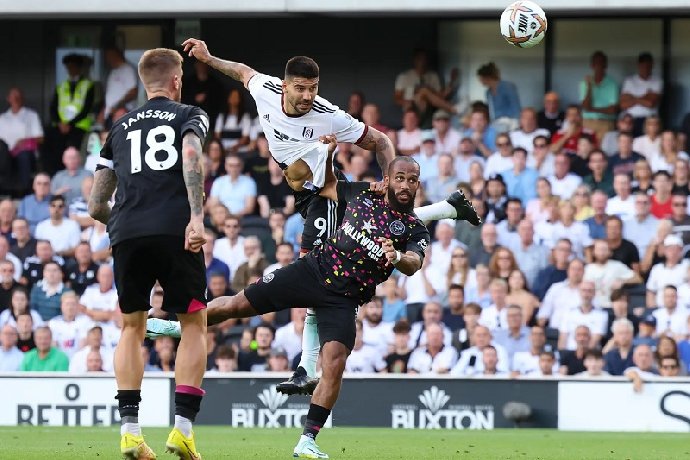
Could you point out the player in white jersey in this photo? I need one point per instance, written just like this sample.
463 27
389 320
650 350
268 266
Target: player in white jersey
294 117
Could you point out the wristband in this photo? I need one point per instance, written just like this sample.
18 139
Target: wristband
398 256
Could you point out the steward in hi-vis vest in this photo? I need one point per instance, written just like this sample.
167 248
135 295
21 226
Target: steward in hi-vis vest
71 110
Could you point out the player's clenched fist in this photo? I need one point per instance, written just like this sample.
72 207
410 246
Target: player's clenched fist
197 48
194 237
388 249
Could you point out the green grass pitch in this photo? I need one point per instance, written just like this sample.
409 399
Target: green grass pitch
46 443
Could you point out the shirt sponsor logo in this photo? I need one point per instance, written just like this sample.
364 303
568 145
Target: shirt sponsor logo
374 250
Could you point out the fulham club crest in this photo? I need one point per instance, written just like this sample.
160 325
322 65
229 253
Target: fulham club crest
307 133
268 277
397 228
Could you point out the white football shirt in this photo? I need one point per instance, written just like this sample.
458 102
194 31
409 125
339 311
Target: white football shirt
296 137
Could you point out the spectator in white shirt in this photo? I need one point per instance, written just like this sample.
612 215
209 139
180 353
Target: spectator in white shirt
641 93
524 137
547 359
445 244
622 204
495 316
376 332
540 158
445 183
508 228
671 318
527 362
447 138
465 157
427 157
289 337
70 328
585 315
410 136
435 357
563 182
650 142
94 342
94 361
671 272
471 360
562 297
230 249
234 190
21 130
10 356
431 314
64 234
641 227
594 363
99 300
120 87
502 159
490 364
364 358
568 227
643 358
607 274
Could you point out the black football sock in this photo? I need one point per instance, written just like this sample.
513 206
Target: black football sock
316 419
128 405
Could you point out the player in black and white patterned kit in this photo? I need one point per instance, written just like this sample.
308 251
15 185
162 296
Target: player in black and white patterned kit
153 157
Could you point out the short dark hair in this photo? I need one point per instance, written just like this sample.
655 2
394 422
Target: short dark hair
289 245
454 286
401 327
672 287
399 159
600 55
301 66
661 172
544 138
519 149
266 325
614 219
645 57
225 352
597 152
594 353
55 198
548 353
618 294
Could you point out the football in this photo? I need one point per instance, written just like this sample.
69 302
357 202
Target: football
523 24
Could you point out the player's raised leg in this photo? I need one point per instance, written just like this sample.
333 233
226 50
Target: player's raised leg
456 206
333 357
129 372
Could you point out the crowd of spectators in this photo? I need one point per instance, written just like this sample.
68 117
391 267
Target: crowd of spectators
580 267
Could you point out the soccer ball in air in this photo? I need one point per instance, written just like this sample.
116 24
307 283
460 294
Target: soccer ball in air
523 24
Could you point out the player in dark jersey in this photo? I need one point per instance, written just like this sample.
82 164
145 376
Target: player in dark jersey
379 233
322 217
153 156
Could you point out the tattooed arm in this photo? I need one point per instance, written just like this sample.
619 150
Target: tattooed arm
375 140
104 184
194 180
235 70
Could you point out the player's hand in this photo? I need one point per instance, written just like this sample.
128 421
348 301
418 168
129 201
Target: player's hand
194 236
197 48
378 187
331 141
388 249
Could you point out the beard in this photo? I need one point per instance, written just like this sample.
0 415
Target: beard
397 205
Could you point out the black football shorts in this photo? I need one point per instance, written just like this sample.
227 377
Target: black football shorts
320 222
139 262
298 284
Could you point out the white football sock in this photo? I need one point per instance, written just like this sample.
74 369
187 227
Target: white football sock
436 211
131 428
184 425
310 344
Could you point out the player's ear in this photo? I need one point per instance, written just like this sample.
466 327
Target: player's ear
386 180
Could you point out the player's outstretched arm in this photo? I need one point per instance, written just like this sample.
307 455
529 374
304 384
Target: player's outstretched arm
194 180
104 184
375 140
235 70
408 263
